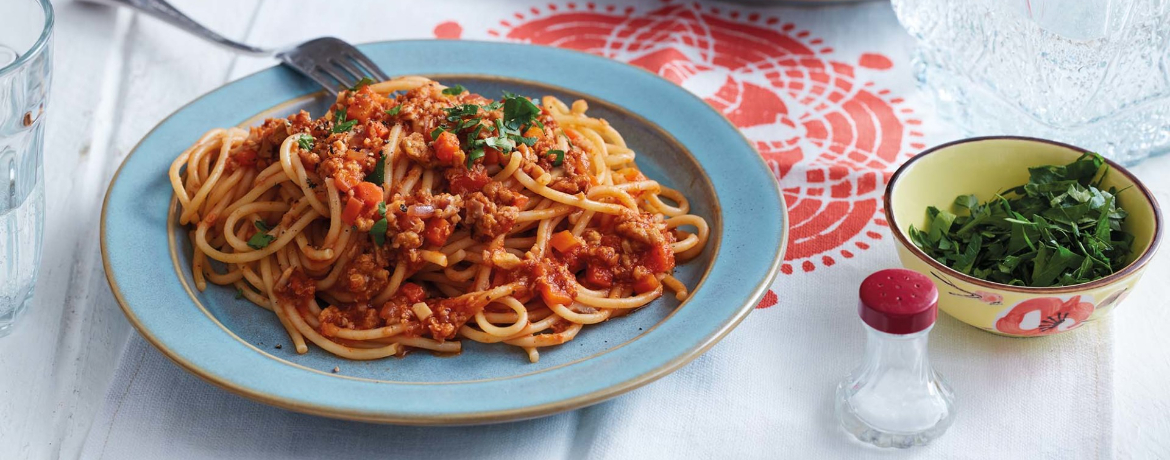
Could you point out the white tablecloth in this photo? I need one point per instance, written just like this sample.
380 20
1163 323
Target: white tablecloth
765 391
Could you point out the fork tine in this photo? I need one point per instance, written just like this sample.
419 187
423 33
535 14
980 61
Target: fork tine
367 64
342 81
324 80
349 68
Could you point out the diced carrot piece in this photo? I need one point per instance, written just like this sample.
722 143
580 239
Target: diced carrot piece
553 294
646 284
447 147
412 292
491 156
369 193
438 230
353 210
344 182
564 241
467 181
659 258
598 277
533 132
363 105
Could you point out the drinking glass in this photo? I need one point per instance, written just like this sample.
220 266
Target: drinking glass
26 28
1093 73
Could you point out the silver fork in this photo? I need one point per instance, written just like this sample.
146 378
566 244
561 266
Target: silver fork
331 62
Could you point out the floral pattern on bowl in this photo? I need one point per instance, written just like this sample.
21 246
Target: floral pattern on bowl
1044 316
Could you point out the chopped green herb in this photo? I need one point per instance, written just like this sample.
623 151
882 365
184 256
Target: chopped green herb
305 142
436 132
261 239
394 111
239 293
474 155
340 124
1059 229
360 83
454 90
378 231
381 209
309 183
378 175
560 159
518 111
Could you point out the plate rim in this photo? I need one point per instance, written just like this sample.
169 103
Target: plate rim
462 418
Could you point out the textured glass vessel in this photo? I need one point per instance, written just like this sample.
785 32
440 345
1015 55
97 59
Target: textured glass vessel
25 63
1087 72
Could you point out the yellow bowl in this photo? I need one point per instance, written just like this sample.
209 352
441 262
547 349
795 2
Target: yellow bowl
987 165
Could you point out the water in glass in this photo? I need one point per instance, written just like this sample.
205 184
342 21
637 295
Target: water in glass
1092 73
25 61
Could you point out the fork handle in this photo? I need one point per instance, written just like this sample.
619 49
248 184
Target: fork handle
162 10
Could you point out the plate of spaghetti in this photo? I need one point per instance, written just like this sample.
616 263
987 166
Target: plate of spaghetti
466 242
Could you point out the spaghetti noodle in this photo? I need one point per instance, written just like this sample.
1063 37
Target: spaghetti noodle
413 215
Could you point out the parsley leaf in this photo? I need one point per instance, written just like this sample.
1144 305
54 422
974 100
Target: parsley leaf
340 124
261 239
378 175
394 111
454 90
360 83
518 111
1059 229
560 159
239 293
378 230
306 142
473 155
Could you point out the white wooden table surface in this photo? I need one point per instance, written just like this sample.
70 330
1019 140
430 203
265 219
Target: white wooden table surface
117 74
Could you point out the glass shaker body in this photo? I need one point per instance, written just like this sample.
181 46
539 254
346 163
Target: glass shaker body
894 398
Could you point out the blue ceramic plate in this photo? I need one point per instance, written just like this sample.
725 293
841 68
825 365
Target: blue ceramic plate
680 142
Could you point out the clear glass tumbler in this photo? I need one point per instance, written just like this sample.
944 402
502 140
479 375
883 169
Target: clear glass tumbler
1093 73
26 28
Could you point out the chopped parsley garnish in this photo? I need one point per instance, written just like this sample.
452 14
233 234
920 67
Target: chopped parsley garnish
503 135
378 231
309 183
305 142
1059 229
239 293
340 124
474 155
395 110
378 175
560 159
261 239
518 111
454 90
360 83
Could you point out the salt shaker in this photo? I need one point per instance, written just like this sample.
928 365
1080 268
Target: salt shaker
894 398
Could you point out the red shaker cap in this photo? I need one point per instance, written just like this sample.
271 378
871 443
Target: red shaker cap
898 301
